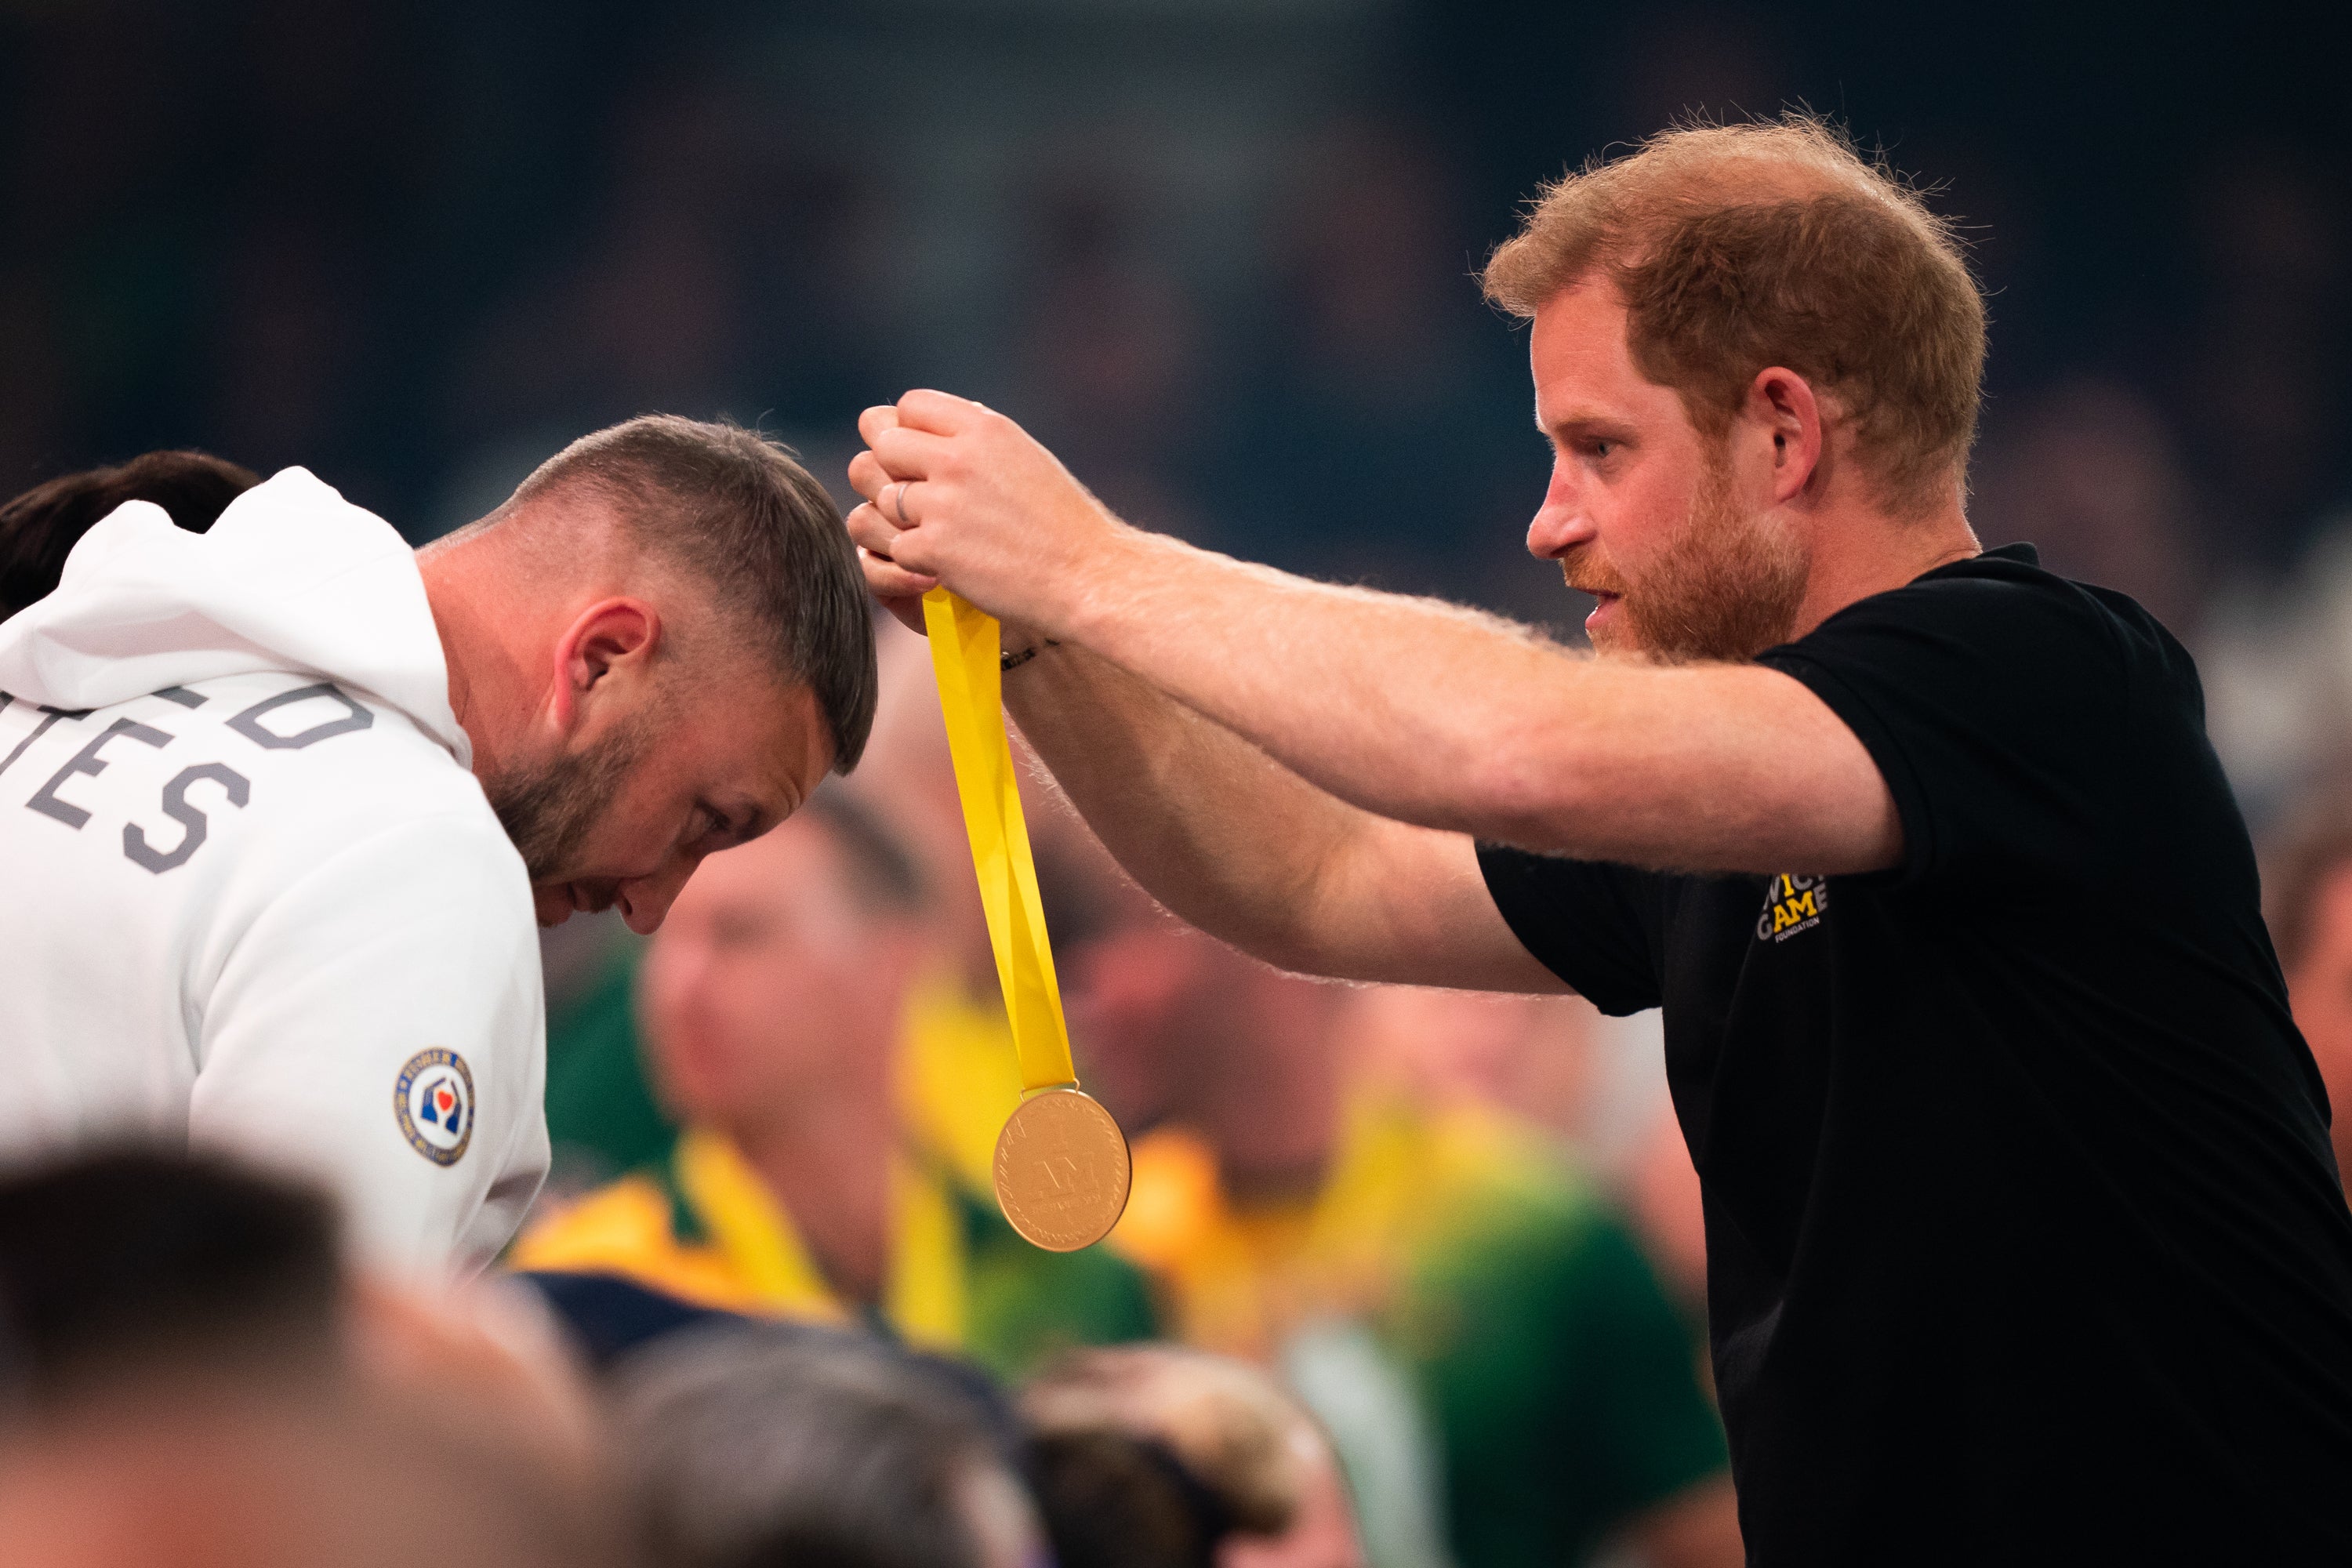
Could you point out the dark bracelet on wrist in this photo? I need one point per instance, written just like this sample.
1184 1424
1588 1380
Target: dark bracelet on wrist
1006 661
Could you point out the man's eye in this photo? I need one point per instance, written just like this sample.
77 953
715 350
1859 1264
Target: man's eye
1601 448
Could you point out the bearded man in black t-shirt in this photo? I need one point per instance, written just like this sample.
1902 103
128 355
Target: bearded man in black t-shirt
2024 1239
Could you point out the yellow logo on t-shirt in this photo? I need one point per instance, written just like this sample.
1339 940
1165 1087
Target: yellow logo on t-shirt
1791 904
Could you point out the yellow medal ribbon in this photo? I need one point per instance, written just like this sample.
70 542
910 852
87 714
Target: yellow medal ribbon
966 656
1061 1164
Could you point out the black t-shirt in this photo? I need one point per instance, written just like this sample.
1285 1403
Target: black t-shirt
2024 1239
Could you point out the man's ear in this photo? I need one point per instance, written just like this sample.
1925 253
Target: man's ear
610 638
1783 402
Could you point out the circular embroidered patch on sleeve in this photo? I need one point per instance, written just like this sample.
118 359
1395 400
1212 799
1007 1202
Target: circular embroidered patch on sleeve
434 1100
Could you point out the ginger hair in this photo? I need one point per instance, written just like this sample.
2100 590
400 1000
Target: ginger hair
1738 248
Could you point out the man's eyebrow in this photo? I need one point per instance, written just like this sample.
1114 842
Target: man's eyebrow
1582 414
1585 421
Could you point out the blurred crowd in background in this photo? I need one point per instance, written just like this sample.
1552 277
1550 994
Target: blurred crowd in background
1217 253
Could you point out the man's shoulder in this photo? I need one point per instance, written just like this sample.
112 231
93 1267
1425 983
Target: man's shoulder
629 1229
607 1227
327 765
2002 595
240 784
248 800
1997 642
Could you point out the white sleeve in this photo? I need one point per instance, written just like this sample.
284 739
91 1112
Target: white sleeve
378 1026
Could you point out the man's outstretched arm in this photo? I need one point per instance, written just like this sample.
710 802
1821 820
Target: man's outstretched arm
1406 708
1238 844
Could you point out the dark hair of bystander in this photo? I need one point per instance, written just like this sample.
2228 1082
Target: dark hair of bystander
39 528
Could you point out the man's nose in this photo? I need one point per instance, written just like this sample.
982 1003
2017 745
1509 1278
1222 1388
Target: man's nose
1560 524
1558 528
644 902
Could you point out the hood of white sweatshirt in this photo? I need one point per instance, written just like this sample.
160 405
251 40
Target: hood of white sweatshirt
292 577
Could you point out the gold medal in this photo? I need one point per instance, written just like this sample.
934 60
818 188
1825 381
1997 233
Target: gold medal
1062 1170
1061 1161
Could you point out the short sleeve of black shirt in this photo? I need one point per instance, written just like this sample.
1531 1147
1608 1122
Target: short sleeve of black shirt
1596 926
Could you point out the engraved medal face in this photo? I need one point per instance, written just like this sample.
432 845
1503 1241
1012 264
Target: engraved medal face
1062 1170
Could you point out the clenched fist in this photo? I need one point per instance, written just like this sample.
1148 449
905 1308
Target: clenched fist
957 493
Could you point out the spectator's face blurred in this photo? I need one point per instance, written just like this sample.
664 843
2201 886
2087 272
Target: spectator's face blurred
771 986
1644 513
197 1476
1132 999
1176 1026
2320 986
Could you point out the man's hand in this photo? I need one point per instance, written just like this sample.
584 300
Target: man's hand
957 493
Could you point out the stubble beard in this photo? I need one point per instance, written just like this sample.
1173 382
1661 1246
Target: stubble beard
1727 586
549 814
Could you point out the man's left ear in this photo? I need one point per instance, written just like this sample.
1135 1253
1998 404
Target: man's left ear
1783 402
610 639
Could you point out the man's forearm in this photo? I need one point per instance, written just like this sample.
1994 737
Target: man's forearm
1450 719
1241 846
1227 838
1408 707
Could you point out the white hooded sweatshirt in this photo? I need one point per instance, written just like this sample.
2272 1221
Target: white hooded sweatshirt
250 892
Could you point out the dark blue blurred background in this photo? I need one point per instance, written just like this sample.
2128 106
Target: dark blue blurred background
1218 252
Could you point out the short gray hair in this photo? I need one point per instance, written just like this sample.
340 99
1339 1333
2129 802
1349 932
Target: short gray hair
792 1444
736 508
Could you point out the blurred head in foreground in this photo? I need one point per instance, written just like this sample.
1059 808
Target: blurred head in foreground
1153 1456
191 1378
126 1266
207 1476
2307 891
808 1448
39 528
